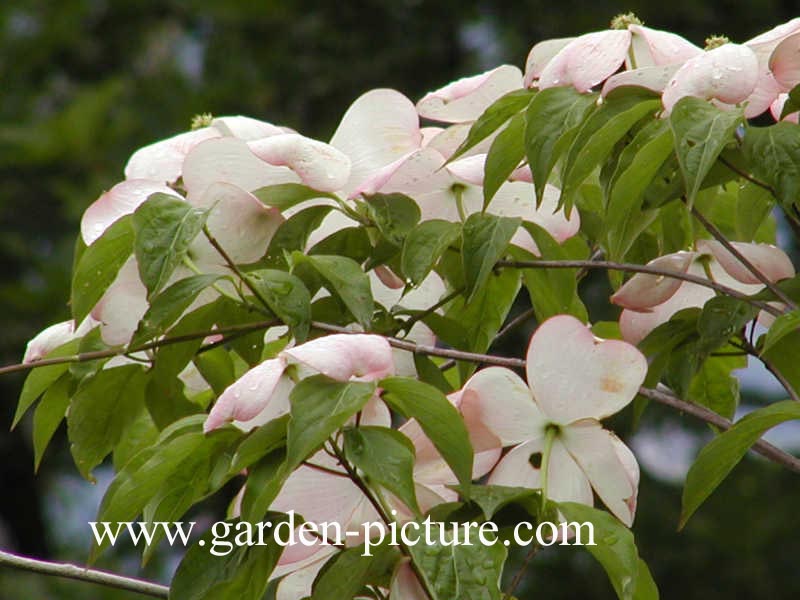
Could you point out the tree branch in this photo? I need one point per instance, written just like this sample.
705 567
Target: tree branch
634 268
765 449
70 571
100 354
717 235
659 395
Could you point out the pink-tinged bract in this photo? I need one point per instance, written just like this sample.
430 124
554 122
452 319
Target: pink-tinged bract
587 60
239 221
465 100
644 291
380 127
728 73
653 47
319 165
120 200
162 161
249 397
541 54
345 356
770 260
599 379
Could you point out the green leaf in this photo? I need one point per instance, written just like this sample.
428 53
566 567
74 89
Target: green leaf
599 134
615 549
41 378
286 296
347 282
774 153
439 419
146 472
714 387
753 207
721 318
169 305
172 358
423 246
493 118
216 567
458 571
492 498
552 121
347 573
637 166
792 103
553 291
293 233
505 154
165 227
264 482
386 457
287 195
217 368
701 132
485 240
395 215
98 266
100 410
429 372
723 453
48 416
259 443
320 407
783 326
473 325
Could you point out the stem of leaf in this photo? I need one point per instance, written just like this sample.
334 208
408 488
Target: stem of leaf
233 267
381 510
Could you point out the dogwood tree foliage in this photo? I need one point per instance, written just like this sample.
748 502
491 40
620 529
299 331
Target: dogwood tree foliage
312 320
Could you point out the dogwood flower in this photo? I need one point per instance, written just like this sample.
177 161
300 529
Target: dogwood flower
261 394
650 300
553 421
590 59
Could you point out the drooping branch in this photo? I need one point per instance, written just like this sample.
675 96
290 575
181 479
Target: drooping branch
70 571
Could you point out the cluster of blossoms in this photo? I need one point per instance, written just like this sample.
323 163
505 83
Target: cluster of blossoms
555 416
758 73
380 146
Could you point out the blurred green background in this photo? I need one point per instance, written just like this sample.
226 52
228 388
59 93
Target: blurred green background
83 83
